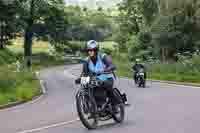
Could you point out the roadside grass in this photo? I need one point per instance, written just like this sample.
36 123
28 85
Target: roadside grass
16 86
19 42
44 60
175 72
170 72
23 85
38 46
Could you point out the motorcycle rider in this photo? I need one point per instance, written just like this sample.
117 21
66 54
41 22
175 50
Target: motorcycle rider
99 63
136 68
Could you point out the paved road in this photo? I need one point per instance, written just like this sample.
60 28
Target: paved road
159 108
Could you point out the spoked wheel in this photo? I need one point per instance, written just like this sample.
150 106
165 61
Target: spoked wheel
86 109
140 82
118 114
143 84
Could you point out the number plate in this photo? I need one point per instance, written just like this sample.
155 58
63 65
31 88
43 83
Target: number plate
85 80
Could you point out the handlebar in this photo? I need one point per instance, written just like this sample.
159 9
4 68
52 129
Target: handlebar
93 77
95 74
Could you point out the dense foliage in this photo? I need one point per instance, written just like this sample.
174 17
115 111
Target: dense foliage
52 21
151 28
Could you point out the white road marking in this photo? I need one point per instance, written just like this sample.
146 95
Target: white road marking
49 126
186 86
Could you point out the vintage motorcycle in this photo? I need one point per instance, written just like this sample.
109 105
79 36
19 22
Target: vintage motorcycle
93 103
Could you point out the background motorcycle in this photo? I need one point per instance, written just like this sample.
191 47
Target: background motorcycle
140 78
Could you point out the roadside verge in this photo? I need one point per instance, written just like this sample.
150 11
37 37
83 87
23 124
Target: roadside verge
169 82
42 91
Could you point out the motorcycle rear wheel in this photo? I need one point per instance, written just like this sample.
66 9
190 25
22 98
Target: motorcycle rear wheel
119 115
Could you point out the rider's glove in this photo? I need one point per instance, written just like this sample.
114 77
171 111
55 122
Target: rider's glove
78 81
98 72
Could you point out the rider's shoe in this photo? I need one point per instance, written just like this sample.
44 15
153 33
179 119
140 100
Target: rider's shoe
91 116
115 109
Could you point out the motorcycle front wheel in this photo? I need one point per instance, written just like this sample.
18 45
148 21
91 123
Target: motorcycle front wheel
86 109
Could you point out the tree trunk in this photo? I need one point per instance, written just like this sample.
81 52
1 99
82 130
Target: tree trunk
1 45
1 42
28 37
163 54
28 47
1 37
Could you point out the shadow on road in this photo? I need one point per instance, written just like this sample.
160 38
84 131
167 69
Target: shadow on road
112 125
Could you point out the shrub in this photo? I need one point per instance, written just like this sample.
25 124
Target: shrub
6 56
24 92
107 51
3 99
76 46
7 80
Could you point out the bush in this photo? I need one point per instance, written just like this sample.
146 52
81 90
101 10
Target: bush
76 46
6 56
107 51
16 85
123 65
25 91
7 80
7 97
3 99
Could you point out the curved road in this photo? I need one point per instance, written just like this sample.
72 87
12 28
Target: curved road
159 108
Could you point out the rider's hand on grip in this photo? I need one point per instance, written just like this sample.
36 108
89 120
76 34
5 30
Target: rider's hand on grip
78 81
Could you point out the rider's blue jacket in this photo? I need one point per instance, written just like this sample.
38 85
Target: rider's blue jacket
102 63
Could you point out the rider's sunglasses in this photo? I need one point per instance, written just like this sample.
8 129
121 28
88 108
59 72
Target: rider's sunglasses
89 50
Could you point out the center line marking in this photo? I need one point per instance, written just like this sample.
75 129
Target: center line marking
49 126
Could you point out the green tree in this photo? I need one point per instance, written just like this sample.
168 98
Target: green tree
150 11
177 31
7 22
33 12
87 24
136 17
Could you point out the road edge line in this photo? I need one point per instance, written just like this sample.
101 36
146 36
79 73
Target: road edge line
169 82
49 126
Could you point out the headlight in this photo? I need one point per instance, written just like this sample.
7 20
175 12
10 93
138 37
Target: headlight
141 74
